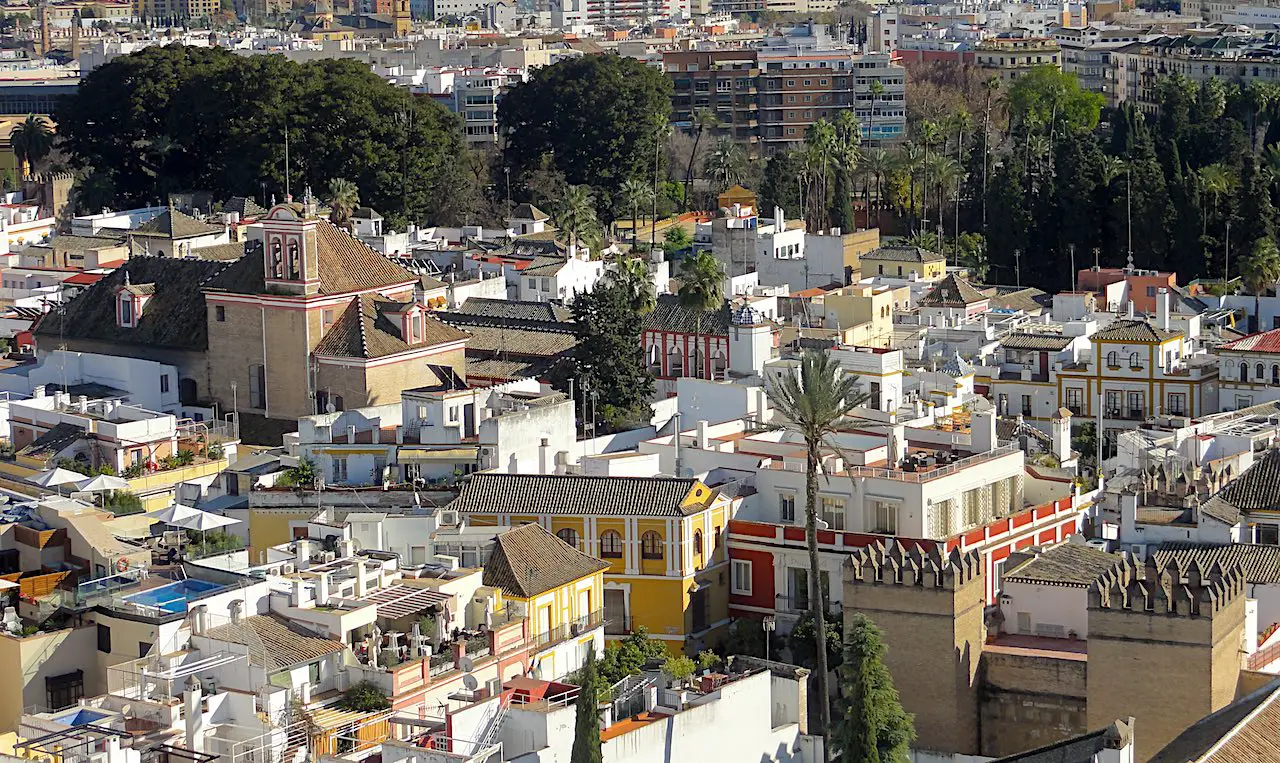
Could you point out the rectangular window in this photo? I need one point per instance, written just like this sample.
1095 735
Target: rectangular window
883 517
740 577
1136 409
1026 405
1177 403
164 383
104 638
1269 534
339 470
1075 400
220 314
326 319
126 311
257 386
1113 403
833 512
787 507
417 328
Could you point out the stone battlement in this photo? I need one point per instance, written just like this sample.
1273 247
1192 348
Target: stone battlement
888 562
1190 591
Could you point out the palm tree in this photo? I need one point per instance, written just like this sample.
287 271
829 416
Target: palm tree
701 290
703 120
877 90
1215 180
929 134
878 164
946 173
820 150
32 140
344 197
636 193
814 404
847 152
909 160
992 86
725 165
1262 267
576 213
633 275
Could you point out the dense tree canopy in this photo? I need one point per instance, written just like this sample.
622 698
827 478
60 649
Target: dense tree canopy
597 117
172 118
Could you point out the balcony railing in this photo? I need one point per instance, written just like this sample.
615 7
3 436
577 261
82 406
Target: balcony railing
440 664
618 626
568 630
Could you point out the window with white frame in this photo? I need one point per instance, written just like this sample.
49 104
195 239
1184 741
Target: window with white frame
787 507
340 470
882 517
832 512
740 577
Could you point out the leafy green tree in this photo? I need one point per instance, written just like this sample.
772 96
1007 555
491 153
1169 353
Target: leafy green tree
586 736
595 116
679 668
803 640
609 357
633 275
1047 96
636 194
814 403
873 727
344 197
676 239
302 475
725 166
172 117
629 656
364 697
701 290
779 186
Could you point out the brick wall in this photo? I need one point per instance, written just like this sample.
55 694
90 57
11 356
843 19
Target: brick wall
1029 701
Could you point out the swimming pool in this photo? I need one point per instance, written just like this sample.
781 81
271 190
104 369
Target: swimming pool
80 716
173 597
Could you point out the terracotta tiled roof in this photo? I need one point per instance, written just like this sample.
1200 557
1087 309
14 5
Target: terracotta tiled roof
902 254
1133 331
952 291
245 206
174 224
527 211
1266 341
364 331
281 643
175 316
52 443
1246 731
1078 749
1261 563
1069 564
1257 488
546 494
669 315
529 561
1035 342
516 309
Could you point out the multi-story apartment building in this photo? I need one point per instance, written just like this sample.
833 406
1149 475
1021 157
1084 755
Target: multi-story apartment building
1087 53
1138 66
1012 56
772 94
472 92
1249 371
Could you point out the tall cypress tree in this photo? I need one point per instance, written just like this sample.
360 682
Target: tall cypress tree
873 728
586 737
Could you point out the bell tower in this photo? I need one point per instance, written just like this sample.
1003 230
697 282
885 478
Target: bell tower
402 18
290 247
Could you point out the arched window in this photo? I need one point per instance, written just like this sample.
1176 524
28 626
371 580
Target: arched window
718 364
1113 359
610 545
1259 373
675 363
1244 371
1133 360
697 541
569 536
655 360
697 368
651 545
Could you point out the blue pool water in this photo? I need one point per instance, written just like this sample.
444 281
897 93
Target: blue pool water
80 716
172 597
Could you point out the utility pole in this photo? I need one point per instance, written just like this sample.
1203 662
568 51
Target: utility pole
1017 265
1226 265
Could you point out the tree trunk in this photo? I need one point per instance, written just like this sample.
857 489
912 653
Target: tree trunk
688 173
817 601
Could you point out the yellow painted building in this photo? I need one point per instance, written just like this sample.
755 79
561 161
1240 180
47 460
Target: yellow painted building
663 539
556 589
864 313
902 261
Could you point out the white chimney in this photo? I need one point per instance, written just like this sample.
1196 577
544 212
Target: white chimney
1162 309
194 714
702 440
544 450
1060 434
1128 311
779 222
322 590
38 391
982 431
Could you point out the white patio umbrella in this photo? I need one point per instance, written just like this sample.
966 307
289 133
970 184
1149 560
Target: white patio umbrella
170 515
102 483
57 477
203 521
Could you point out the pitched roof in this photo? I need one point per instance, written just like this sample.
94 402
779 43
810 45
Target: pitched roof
1069 564
346 264
1266 341
363 330
1028 300
175 316
1257 488
228 252
669 315
902 254
956 366
527 211
1242 732
566 494
952 291
517 309
1261 563
53 442
244 206
1134 331
174 224
275 640
518 341
1035 342
529 561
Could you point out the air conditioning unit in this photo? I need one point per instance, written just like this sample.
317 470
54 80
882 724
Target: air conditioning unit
448 518
289 568
329 556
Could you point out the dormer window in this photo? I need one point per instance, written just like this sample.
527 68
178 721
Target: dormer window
416 326
128 319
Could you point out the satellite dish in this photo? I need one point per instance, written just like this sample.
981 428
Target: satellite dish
470 682
466 664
